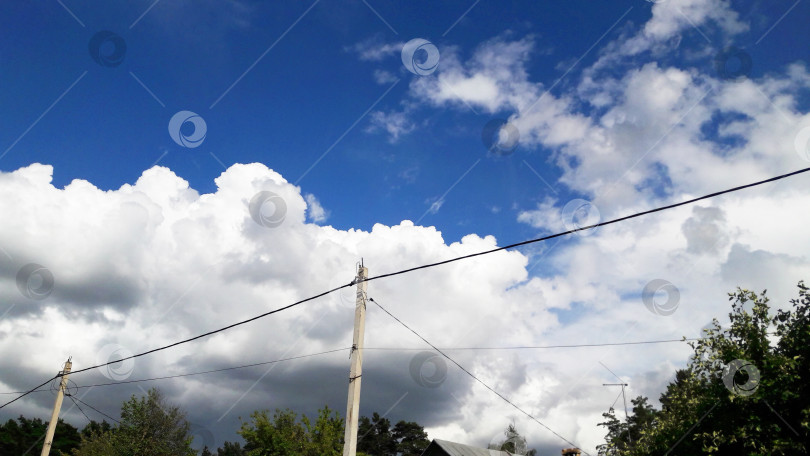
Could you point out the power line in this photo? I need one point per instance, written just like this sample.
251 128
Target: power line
473 376
77 406
185 340
123 382
430 265
595 225
30 391
97 410
524 347
536 347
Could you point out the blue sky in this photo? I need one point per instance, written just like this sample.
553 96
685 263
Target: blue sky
618 106
303 95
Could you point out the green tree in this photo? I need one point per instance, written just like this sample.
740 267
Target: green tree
374 436
326 436
231 449
513 443
24 435
149 427
622 434
616 442
744 392
411 438
95 427
284 434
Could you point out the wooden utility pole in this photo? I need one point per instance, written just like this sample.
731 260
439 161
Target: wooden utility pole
46 448
356 371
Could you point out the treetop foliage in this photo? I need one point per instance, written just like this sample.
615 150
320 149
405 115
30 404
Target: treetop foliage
744 392
149 427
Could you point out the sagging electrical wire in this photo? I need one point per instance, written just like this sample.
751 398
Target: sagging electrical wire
244 366
425 266
515 406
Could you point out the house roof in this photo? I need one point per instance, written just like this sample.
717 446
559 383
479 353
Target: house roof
458 449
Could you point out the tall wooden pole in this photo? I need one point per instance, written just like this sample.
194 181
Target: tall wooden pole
356 371
46 448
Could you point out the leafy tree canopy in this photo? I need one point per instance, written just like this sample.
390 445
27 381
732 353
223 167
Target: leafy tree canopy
411 438
376 437
24 435
149 427
231 449
513 443
285 434
744 392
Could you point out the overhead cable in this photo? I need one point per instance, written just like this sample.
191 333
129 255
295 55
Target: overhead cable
516 407
124 382
589 227
430 265
537 347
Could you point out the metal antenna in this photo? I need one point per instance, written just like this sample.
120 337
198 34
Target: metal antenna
624 399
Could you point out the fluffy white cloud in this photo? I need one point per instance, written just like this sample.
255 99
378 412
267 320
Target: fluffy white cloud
155 262
673 16
655 128
316 212
494 78
628 133
373 50
394 123
384 77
